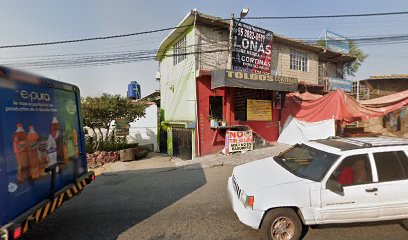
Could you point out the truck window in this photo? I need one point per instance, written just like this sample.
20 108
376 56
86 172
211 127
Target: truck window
390 165
353 170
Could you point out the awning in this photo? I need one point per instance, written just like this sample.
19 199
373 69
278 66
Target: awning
230 78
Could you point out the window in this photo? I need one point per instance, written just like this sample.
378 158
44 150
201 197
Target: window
307 162
299 60
353 170
391 166
216 107
179 51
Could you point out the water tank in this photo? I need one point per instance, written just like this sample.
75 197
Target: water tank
133 90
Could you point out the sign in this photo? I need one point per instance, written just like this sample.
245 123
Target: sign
231 78
259 110
121 127
342 84
239 141
335 41
252 48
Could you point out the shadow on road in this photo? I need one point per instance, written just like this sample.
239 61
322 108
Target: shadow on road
114 202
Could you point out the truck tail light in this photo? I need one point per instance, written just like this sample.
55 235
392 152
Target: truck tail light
17 233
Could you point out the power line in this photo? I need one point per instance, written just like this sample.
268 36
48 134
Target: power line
172 28
92 39
332 16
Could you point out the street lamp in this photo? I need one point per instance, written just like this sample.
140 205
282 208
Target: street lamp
244 12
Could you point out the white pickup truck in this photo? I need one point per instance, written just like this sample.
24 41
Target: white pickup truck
336 180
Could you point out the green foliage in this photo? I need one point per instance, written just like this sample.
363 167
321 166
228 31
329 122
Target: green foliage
98 113
352 67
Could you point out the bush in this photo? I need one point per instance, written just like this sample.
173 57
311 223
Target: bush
108 146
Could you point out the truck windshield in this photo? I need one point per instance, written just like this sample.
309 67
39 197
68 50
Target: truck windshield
307 162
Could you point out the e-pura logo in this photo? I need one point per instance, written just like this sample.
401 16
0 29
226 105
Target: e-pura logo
35 96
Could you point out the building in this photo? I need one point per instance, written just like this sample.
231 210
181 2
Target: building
381 85
394 123
144 130
196 85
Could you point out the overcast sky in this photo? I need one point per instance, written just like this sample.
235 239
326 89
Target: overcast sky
52 20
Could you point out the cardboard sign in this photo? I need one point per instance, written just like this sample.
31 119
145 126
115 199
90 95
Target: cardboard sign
259 110
121 127
239 141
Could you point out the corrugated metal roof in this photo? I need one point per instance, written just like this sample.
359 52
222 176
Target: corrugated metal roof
390 76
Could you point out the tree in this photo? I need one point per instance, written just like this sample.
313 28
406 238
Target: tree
98 113
352 67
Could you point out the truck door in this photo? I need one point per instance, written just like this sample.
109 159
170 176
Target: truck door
359 200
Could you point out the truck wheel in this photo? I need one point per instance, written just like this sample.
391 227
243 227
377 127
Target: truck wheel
281 224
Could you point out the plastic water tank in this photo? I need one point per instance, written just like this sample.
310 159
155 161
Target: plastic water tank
133 90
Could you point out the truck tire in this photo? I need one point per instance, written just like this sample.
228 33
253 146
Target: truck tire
281 224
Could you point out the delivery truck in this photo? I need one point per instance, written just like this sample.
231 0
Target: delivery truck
42 149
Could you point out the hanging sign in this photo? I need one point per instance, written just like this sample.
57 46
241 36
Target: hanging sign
252 48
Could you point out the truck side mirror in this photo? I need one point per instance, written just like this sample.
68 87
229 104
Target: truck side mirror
335 187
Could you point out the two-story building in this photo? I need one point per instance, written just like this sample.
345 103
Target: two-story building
197 83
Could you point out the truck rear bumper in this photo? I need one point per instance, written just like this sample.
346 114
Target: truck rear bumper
19 226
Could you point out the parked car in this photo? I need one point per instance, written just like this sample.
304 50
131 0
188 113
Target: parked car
335 180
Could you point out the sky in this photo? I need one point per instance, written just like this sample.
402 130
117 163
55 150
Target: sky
27 21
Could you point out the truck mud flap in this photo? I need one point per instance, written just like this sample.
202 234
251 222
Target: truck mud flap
27 220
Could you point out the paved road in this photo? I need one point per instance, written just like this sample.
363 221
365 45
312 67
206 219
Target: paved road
171 203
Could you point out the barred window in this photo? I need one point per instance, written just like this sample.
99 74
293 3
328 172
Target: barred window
299 60
179 51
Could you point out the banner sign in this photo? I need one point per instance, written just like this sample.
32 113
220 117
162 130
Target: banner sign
252 48
343 84
121 127
230 78
239 141
259 110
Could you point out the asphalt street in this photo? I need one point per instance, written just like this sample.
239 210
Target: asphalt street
171 203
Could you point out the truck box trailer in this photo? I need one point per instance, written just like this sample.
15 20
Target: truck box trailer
42 149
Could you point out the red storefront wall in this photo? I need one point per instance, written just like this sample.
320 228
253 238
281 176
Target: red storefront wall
207 142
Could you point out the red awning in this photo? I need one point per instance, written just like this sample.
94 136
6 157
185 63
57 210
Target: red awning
340 106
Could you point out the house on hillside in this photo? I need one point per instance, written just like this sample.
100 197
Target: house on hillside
197 82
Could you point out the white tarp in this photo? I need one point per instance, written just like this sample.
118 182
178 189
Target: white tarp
295 131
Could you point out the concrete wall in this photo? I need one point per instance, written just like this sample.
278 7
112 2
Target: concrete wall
383 87
281 64
144 130
211 39
177 84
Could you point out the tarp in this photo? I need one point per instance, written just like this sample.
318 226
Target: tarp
396 98
337 105
295 131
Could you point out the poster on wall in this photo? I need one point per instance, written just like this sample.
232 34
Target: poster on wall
239 141
252 48
259 110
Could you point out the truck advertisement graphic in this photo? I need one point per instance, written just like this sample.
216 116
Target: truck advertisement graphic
41 143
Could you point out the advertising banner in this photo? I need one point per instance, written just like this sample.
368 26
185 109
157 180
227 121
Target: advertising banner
252 48
259 110
121 127
40 129
342 84
239 141
230 78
